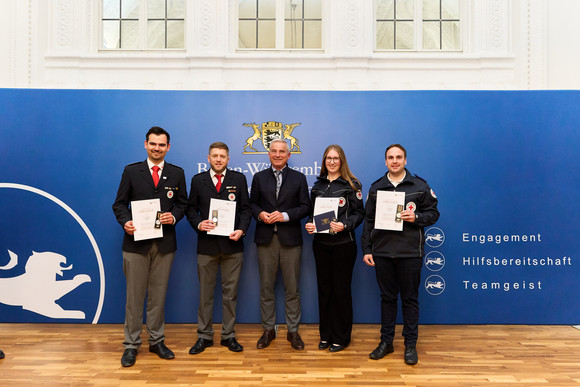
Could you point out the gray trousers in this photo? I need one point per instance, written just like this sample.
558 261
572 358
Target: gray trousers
146 274
207 270
270 257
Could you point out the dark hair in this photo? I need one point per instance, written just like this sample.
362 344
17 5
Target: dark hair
345 172
158 131
396 146
219 145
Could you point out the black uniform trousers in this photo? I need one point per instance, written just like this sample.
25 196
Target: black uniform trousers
399 276
334 267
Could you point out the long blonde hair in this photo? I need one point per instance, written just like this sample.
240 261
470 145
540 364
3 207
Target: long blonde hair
345 172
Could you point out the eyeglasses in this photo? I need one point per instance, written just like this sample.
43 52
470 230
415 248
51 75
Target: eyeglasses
332 159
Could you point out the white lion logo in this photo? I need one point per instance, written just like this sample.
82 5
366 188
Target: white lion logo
38 289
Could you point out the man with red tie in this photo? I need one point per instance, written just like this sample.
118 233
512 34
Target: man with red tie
147 263
215 250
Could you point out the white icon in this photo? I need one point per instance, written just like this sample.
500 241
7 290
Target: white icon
434 261
434 237
41 284
435 285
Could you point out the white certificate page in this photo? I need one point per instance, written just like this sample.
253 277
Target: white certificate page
322 205
386 210
223 213
144 214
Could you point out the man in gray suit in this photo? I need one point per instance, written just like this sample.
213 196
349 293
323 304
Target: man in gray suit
279 200
147 263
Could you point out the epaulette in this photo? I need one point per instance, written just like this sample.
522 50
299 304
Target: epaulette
200 173
379 179
135 163
420 178
173 165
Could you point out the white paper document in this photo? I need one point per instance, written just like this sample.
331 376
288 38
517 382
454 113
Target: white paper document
388 210
223 214
322 205
144 214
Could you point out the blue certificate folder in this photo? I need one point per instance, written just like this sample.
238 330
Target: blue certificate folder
322 221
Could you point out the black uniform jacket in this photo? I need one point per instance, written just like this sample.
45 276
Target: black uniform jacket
292 199
411 241
350 210
137 184
234 188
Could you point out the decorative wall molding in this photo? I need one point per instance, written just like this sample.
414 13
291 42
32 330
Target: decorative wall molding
505 47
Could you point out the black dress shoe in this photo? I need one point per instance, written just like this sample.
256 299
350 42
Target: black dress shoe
1 354
411 357
323 344
200 346
161 350
266 339
232 344
295 341
336 348
381 351
129 357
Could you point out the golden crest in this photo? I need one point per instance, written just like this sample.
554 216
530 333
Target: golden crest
268 132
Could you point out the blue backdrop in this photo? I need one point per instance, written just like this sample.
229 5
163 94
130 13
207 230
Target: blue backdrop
503 165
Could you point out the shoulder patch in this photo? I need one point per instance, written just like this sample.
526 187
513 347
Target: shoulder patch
420 178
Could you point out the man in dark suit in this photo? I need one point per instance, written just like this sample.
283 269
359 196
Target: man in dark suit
147 263
214 251
279 199
1 354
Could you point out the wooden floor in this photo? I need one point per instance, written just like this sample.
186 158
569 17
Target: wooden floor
87 355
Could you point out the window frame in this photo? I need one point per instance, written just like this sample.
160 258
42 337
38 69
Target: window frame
143 37
418 30
280 20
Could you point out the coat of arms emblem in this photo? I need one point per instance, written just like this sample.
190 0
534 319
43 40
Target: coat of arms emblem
268 132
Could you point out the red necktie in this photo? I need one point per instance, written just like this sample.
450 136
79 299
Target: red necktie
155 175
219 183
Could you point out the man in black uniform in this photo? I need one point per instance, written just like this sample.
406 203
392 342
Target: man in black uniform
1 354
214 251
398 255
147 263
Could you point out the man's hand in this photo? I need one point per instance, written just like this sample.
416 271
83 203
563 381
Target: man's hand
166 218
368 258
408 216
276 216
130 228
236 235
206 225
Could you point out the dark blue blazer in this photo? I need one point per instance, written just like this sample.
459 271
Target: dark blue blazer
292 199
137 184
235 188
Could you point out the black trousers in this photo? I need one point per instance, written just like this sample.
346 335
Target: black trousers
334 266
399 276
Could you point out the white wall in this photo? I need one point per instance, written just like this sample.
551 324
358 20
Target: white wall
508 44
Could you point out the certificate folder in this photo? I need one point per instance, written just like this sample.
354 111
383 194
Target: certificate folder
322 221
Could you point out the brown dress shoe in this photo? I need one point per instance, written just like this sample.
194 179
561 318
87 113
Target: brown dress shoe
266 339
295 341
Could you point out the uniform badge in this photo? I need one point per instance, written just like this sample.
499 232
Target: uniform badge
169 194
341 202
411 206
359 195
433 194
232 197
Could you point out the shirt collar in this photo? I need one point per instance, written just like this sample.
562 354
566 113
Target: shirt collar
160 165
212 173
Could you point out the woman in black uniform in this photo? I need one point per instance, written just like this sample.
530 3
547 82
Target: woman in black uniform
335 252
